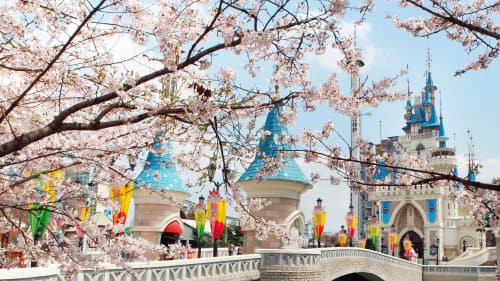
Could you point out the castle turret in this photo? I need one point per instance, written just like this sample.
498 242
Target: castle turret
159 192
282 188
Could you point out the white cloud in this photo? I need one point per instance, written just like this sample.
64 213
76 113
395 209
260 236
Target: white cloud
335 198
490 169
371 55
125 49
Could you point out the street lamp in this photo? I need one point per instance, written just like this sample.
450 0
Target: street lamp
481 231
393 238
437 256
423 250
383 247
374 229
350 220
200 217
319 218
342 237
216 209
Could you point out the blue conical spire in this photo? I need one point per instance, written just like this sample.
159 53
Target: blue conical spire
441 128
428 87
471 175
159 172
270 146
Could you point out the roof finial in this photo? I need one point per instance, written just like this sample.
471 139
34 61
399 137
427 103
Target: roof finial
440 106
428 56
408 80
470 149
277 92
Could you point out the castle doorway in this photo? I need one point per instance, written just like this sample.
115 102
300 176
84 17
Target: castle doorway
416 242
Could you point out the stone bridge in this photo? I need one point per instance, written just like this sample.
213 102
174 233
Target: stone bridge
328 264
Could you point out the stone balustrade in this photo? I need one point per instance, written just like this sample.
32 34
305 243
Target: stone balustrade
458 273
269 265
244 267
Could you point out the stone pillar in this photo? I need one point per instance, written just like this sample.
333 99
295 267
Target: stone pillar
297 265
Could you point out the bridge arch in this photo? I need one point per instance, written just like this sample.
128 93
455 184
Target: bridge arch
359 276
341 263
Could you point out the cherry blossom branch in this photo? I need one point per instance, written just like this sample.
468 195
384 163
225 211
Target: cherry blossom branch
52 62
452 19
435 176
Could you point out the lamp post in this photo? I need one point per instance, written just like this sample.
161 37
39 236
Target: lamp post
481 231
383 247
393 238
216 209
319 218
423 250
200 217
342 237
374 229
437 252
350 220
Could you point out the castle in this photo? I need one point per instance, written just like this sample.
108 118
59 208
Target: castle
439 227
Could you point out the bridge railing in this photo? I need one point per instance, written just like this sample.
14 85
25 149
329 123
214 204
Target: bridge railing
332 253
243 267
461 270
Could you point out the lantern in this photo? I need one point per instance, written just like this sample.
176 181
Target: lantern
342 237
200 217
319 218
407 246
217 214
374 231
393 238
361 242
350 220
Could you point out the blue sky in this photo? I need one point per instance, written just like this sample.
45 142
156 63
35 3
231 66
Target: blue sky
469 101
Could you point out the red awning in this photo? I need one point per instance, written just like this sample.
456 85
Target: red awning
173 227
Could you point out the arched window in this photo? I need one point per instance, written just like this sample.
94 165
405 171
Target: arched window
420 147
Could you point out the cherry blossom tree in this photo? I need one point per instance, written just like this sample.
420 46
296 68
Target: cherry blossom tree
471 24
72 101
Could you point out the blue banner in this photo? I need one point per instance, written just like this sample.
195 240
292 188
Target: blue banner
386 212
381 171
431 210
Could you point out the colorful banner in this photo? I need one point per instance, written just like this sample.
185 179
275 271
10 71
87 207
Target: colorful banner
386 212
123 195
351 221
319 219
374 231
342 238
39 215
381 171
407 246
431 210
200 217
216 213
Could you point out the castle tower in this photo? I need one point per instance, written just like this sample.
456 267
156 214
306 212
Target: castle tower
282 189
426 213
158 194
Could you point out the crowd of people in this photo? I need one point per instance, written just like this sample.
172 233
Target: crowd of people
178 251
